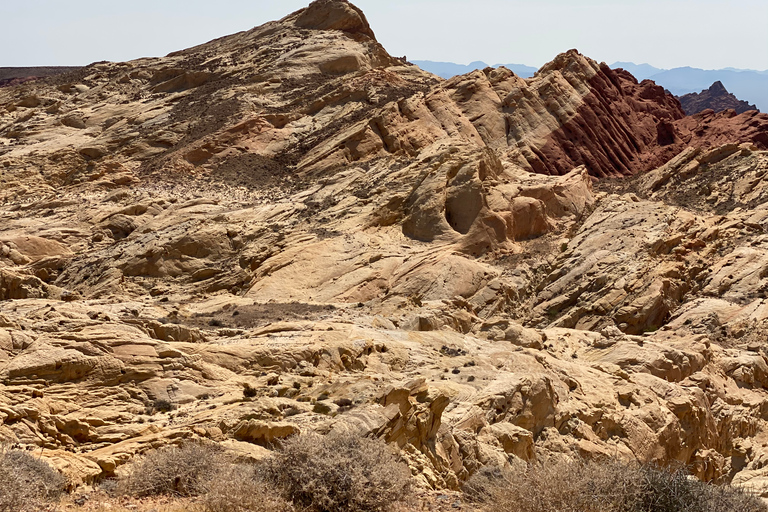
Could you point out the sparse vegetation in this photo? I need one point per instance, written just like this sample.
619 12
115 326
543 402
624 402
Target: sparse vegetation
243 488
159 405
340 473
26 482
605 486
334 473
174 470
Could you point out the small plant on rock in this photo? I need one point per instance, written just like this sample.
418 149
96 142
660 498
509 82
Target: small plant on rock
159 405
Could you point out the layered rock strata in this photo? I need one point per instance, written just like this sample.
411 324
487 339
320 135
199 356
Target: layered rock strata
289 230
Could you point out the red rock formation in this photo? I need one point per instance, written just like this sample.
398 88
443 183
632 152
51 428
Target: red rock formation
573 112
716 98
11 76
334 15
577 112
623 127
708 129
618 124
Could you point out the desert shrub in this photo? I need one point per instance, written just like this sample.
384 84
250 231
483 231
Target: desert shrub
159 405
243 488
724 498
26 482
673 490
605 486
670 490
173 470
563 486
339 473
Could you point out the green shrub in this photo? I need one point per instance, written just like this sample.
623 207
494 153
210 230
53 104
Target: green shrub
339 473
26 482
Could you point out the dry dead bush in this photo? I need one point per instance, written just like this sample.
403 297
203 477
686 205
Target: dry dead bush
174 470
340 473
605 486
243 488
666 490
562 486
26 482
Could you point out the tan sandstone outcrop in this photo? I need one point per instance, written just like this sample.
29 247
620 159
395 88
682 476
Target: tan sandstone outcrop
289 230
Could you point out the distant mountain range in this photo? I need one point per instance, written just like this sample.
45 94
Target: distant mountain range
639 71
643 71
450 69
746 84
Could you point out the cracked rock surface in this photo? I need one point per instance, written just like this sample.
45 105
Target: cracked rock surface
289 230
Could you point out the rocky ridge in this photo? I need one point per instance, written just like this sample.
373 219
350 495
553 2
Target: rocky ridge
289 230
716 98
12 76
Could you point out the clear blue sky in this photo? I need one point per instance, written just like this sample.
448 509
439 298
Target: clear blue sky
665 33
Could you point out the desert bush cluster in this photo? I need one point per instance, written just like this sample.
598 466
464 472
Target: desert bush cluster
243 488
348 473
26 482
173 470
603 486
334 473
339 473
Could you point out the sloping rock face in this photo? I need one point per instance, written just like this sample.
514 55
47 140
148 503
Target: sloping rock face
289 230
573 112
716 98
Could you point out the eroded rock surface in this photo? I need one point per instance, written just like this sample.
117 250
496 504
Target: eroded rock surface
289 230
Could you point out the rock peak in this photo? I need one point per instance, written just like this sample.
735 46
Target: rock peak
718 87
716 98
571 60
334 15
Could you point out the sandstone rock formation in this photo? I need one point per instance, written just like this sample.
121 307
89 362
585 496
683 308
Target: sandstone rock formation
289 230
716 98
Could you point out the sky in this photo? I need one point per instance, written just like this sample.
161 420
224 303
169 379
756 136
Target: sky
707 34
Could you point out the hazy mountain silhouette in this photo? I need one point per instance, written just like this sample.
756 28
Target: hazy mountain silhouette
746 84
639 71
750 86
450 69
